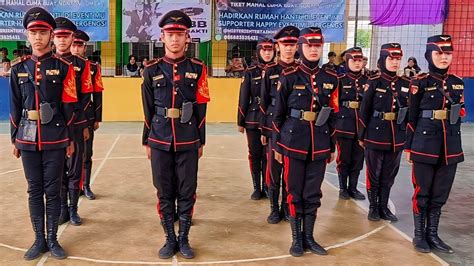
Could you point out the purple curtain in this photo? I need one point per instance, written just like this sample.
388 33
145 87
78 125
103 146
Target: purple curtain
406 12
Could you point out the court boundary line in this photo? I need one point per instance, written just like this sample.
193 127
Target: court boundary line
63 227
175 259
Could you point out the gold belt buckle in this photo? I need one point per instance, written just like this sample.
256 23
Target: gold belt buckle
173 113
309 116
389 116
440 114
33 115
354 104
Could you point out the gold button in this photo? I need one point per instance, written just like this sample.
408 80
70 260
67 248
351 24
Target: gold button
299 94
37 83
38 69
314 83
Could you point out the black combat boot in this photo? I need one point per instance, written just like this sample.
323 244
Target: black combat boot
64 216
308 238
86 187
183 240
56 250
384 211
39 246
257 192
373 204
274 216
432 233
264 189
74 217
343 192
171 245
284 211
296 249
419 239
353 192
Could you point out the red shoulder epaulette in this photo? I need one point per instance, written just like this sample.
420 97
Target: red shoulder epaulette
289 70
331 72
421 75
62 59
341 75
152 62
405 78
81 57
272 64
251 67
197 61
375 76
457 76
19 60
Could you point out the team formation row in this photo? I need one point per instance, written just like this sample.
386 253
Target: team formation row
295 115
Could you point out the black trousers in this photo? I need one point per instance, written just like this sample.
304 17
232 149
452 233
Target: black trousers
88 157
303 184
382 168
432 184
75 165
175 179
274 170
350 158
43 171
257 156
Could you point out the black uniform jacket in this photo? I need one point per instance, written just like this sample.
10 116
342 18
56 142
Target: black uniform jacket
299 138
168 84
55 78
429 140
383 95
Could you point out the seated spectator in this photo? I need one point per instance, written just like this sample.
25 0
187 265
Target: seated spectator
143 64
412 69
131 69
236 66
331 64
4 62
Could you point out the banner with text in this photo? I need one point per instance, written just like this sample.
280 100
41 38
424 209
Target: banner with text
140 19
89 16
250 20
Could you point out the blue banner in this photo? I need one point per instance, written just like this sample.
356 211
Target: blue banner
250 20
89 16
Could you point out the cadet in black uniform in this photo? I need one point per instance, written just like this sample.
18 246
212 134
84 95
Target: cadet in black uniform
63 39
93 109
434 141
175 95
382 130
43 93
286 39
249 116
306 101
350 155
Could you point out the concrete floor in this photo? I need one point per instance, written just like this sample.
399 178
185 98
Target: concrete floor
122 227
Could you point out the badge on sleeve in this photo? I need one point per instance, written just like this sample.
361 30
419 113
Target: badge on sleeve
413 89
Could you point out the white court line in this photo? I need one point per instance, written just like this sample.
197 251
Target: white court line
402 234
11 171
96 173
12 247
176 262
